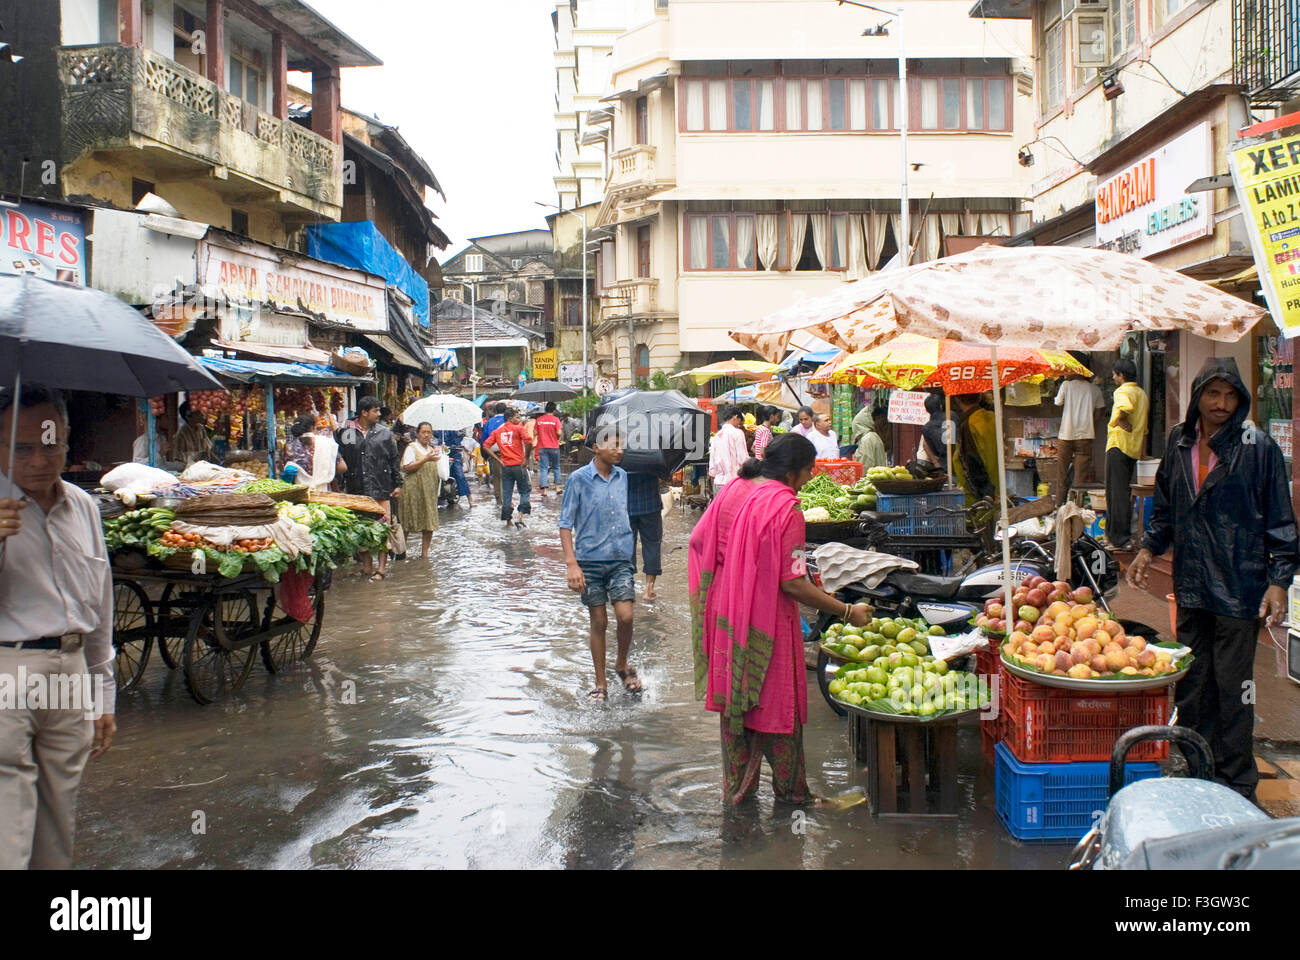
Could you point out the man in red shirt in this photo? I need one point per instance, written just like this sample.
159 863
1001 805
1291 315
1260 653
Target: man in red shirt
549 427
511 440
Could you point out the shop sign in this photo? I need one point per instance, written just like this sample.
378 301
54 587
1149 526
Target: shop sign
544 364
907 406
1144 210
42 242
571 375
254 324
1267 176
1280 431
344 296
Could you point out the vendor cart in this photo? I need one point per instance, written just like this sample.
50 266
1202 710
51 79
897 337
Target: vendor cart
210 626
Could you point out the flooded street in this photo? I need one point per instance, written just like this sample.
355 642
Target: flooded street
442 723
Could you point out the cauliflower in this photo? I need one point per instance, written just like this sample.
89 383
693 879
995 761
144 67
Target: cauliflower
817 515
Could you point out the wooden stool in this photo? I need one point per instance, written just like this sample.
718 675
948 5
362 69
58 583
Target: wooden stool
927 755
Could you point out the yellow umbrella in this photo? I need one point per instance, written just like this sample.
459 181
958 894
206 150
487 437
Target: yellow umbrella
739 369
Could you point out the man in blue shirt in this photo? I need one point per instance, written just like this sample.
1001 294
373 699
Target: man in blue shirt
645 511
494 469
598 551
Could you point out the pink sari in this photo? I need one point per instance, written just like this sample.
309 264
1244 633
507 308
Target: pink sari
708 547
756 643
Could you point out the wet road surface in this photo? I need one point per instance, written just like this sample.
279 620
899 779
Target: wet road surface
442 723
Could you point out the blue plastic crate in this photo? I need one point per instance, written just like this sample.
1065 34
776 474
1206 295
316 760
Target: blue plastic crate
1055 802
919 522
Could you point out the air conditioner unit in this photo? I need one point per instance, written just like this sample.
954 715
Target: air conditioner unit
1092 36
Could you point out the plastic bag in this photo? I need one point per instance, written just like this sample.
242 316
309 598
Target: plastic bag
444 467
202 471
135 478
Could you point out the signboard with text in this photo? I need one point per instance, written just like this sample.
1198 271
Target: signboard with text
1144 209
907 406
571 375
544 364
43 242
1267 177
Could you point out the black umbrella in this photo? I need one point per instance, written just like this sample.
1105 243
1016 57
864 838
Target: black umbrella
661 430
77 338
540 391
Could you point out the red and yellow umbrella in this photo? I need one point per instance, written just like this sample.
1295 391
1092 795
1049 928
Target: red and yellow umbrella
911 361
737 369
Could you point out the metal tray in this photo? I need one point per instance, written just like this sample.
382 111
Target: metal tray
903 718
1093 686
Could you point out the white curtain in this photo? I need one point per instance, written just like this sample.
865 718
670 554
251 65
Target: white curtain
769 240
793 105
798 228
858 104
745 243
928 244
695 105
995 224
951 223
766 115
699 227
821 228
896 226
875 235
718 105
857 262
814 104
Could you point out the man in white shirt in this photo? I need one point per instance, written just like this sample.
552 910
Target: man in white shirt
728 451
140 449
823 438
1078 398
56 615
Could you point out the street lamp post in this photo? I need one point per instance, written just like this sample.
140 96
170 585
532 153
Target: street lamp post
904 210
586 379
473 331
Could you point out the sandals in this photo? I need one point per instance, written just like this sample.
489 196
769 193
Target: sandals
376 578
599 695
629 677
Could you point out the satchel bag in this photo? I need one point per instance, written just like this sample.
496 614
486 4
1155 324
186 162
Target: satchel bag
396 538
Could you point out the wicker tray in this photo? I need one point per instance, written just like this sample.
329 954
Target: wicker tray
356 367
909 486
346 500
296 494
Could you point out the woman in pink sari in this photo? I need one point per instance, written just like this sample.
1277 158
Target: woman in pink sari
745 598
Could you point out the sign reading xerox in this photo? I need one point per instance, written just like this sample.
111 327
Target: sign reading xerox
43 242
1267 176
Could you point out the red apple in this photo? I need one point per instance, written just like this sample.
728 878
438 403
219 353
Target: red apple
1061 585
1082 595
1036 598
1024 626
993 609
982 620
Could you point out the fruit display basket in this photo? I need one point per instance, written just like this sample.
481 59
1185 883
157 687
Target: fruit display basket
1101 685
844 472
1046 725
1055 802
919 520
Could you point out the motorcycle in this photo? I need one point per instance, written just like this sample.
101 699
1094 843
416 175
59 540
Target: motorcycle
951 602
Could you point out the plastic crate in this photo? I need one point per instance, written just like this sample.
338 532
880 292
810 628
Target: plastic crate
987 665
919 521
1055 802
1047 725
844 472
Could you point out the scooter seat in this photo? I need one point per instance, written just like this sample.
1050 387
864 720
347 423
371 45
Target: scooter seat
922 585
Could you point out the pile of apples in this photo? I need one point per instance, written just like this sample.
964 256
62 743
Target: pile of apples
1062 632
1029 602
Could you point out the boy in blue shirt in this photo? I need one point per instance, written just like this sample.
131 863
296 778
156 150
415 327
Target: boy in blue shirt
598 551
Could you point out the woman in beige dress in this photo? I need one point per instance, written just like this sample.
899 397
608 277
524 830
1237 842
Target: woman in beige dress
419 500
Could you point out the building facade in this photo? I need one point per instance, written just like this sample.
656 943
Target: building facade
753 162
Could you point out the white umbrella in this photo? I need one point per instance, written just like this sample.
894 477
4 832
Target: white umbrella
443 412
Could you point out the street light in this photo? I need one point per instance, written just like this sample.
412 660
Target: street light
880 30
585 376
473 331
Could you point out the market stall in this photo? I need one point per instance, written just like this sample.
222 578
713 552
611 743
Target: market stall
213 571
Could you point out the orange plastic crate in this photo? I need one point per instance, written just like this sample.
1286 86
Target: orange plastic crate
844 472
1046 725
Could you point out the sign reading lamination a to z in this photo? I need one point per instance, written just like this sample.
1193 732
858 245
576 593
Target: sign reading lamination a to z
1267 175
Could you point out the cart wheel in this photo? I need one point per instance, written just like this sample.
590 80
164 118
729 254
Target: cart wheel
285 649
173 626
133 632
211 669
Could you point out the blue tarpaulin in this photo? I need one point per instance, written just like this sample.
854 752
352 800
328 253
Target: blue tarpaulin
262 371
808 356
444 357
361 246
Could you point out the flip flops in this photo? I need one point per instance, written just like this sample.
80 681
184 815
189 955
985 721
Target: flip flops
629 677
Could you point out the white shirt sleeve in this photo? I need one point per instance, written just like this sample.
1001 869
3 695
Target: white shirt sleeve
1060 393
408 456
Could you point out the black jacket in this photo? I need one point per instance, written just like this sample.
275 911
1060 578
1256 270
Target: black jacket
1238 534
374 465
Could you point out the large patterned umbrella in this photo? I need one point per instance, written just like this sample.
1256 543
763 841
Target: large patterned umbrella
738 369
1046 297
910 361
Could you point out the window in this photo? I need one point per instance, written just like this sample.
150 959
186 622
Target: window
839 241
719 241
643 252
1053 67
642 120
516 263
987 104
239 222
1169 8
572 311
245 81
1123 26
642 362
473 263
609 273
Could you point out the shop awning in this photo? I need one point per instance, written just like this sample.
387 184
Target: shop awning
400 355
258 371
1248 276
271 351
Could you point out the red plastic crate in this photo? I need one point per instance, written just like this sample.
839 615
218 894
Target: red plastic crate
1046 725
991 732
843 472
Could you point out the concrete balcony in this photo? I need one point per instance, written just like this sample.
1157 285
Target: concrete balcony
630 298
632 172
125 101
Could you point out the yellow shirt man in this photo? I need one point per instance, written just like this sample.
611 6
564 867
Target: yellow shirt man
1131 401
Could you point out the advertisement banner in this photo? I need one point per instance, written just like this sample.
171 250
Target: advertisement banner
908 406
1267 177
43 242
544 364
571 375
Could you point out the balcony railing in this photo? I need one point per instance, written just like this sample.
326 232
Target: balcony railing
632 169
111 91
1266 48
629 298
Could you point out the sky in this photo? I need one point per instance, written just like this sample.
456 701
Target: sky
471 85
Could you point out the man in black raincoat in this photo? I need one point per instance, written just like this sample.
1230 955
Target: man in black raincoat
1223 504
